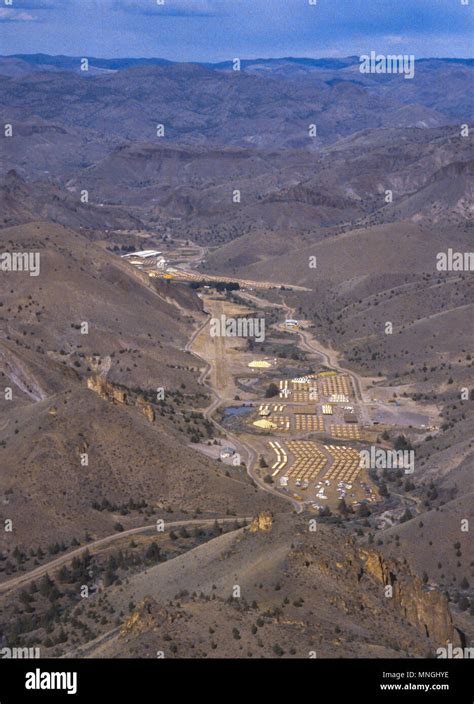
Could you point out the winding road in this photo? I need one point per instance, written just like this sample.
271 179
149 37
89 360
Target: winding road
95 545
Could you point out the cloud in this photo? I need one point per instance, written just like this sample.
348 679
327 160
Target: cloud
10 15
394 39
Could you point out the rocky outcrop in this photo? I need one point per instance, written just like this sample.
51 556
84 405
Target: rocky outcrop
146 408
149 616
382 588
263 521
142 619
114 394
422 605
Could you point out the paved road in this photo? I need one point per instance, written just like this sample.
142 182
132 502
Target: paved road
92 547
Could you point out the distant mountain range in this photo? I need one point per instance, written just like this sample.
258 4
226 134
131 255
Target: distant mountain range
71 63
63 122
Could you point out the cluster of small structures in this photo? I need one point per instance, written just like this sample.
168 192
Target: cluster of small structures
314 472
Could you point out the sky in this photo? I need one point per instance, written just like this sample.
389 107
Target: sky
219 30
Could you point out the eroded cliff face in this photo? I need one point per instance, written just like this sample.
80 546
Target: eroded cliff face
421 605
263 521
113 394
364 581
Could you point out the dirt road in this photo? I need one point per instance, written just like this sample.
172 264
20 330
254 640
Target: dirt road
95 545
